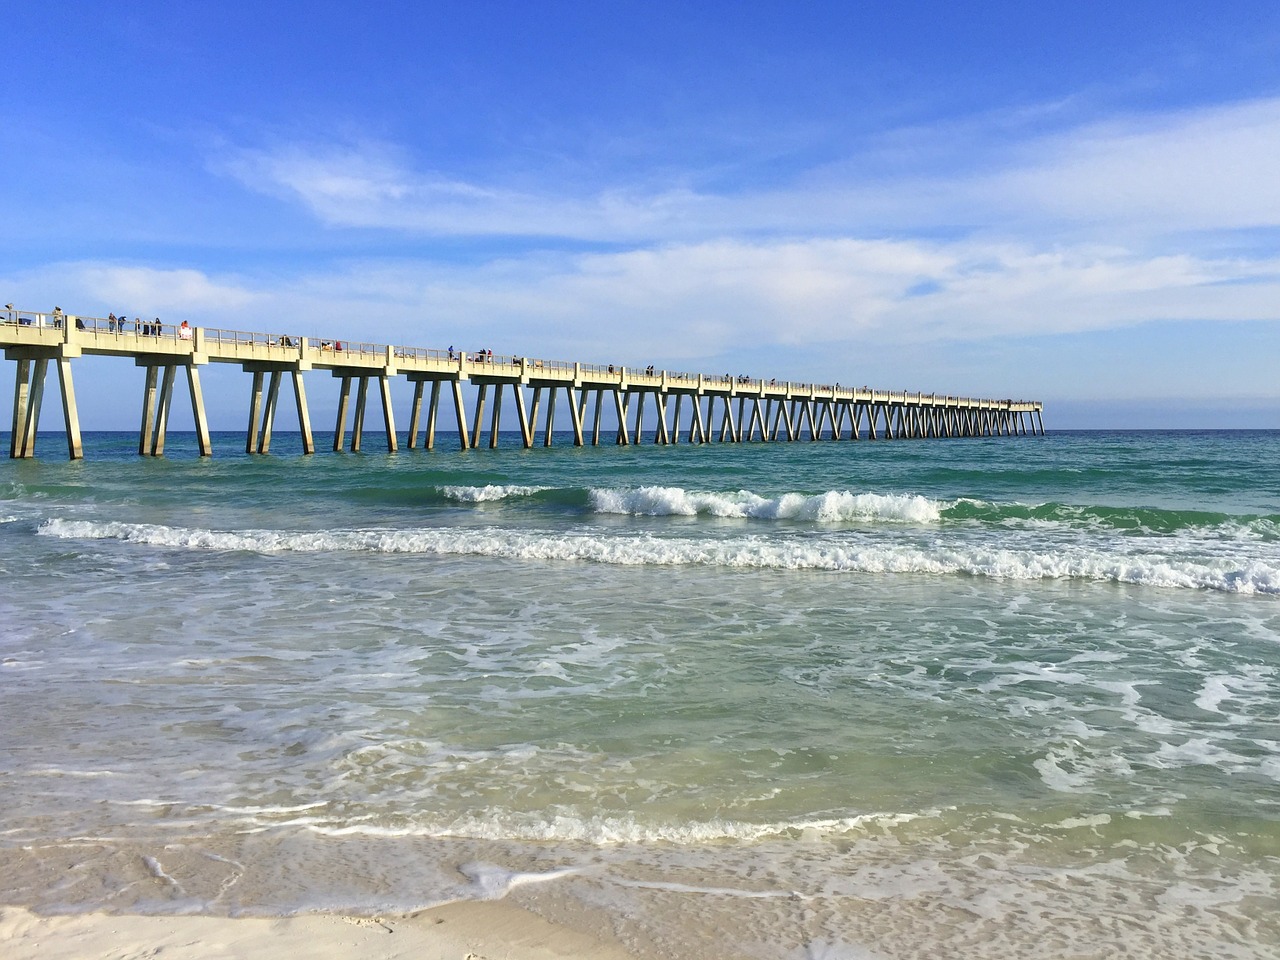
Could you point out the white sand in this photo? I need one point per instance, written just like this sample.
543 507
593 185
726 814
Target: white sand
479 931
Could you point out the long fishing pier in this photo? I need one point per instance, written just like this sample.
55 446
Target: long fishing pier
748 409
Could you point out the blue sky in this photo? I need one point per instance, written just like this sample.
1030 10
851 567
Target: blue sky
1076 202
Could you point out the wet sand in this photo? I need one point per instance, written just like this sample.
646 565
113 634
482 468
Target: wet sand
459 931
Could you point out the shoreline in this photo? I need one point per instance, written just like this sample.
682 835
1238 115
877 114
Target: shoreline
472 930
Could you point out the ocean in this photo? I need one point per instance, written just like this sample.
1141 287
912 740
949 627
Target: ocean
982 698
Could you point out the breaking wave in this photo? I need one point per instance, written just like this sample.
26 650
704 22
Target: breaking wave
489 492
829 553
830 507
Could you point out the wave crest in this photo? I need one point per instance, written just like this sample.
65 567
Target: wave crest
834 506
830 553
489 492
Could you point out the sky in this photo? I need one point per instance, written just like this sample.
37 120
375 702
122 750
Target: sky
1076 203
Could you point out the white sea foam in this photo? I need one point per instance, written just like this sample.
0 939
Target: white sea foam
606 831
1213 692
492 882
746 552
834 506
489 492
156 870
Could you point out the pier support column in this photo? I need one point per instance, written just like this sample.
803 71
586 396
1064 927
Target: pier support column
70 416
663 436
757 421
357 424
777 418
388 414
203 443
595 424
638 399
726 419
39 370
304 417
30 374
478 424
522 414
575 414
698 427
415 413
495 422
533 413
340 427
39 374
460 410
147 433
162 411
21 401
551 416
28 397
808 417
255 412
269 412
433 407
675 425
620 407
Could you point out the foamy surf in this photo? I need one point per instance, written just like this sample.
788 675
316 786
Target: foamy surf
488 493
607 831
831 554
834 506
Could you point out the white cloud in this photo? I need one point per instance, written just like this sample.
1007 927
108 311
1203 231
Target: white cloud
700 300
794 309
1210 168
373 186
1203 169
93 287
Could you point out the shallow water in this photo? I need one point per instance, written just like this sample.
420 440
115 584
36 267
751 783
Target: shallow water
1007 697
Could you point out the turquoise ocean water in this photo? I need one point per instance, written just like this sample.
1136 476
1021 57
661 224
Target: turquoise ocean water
984 698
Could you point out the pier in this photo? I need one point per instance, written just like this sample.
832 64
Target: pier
687 407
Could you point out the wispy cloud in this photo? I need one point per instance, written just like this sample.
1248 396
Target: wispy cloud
143 290
706 299
1204 169
373 186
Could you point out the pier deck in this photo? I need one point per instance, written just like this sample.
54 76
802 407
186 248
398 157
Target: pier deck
749 409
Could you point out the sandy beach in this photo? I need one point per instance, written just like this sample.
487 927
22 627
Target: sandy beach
460 931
